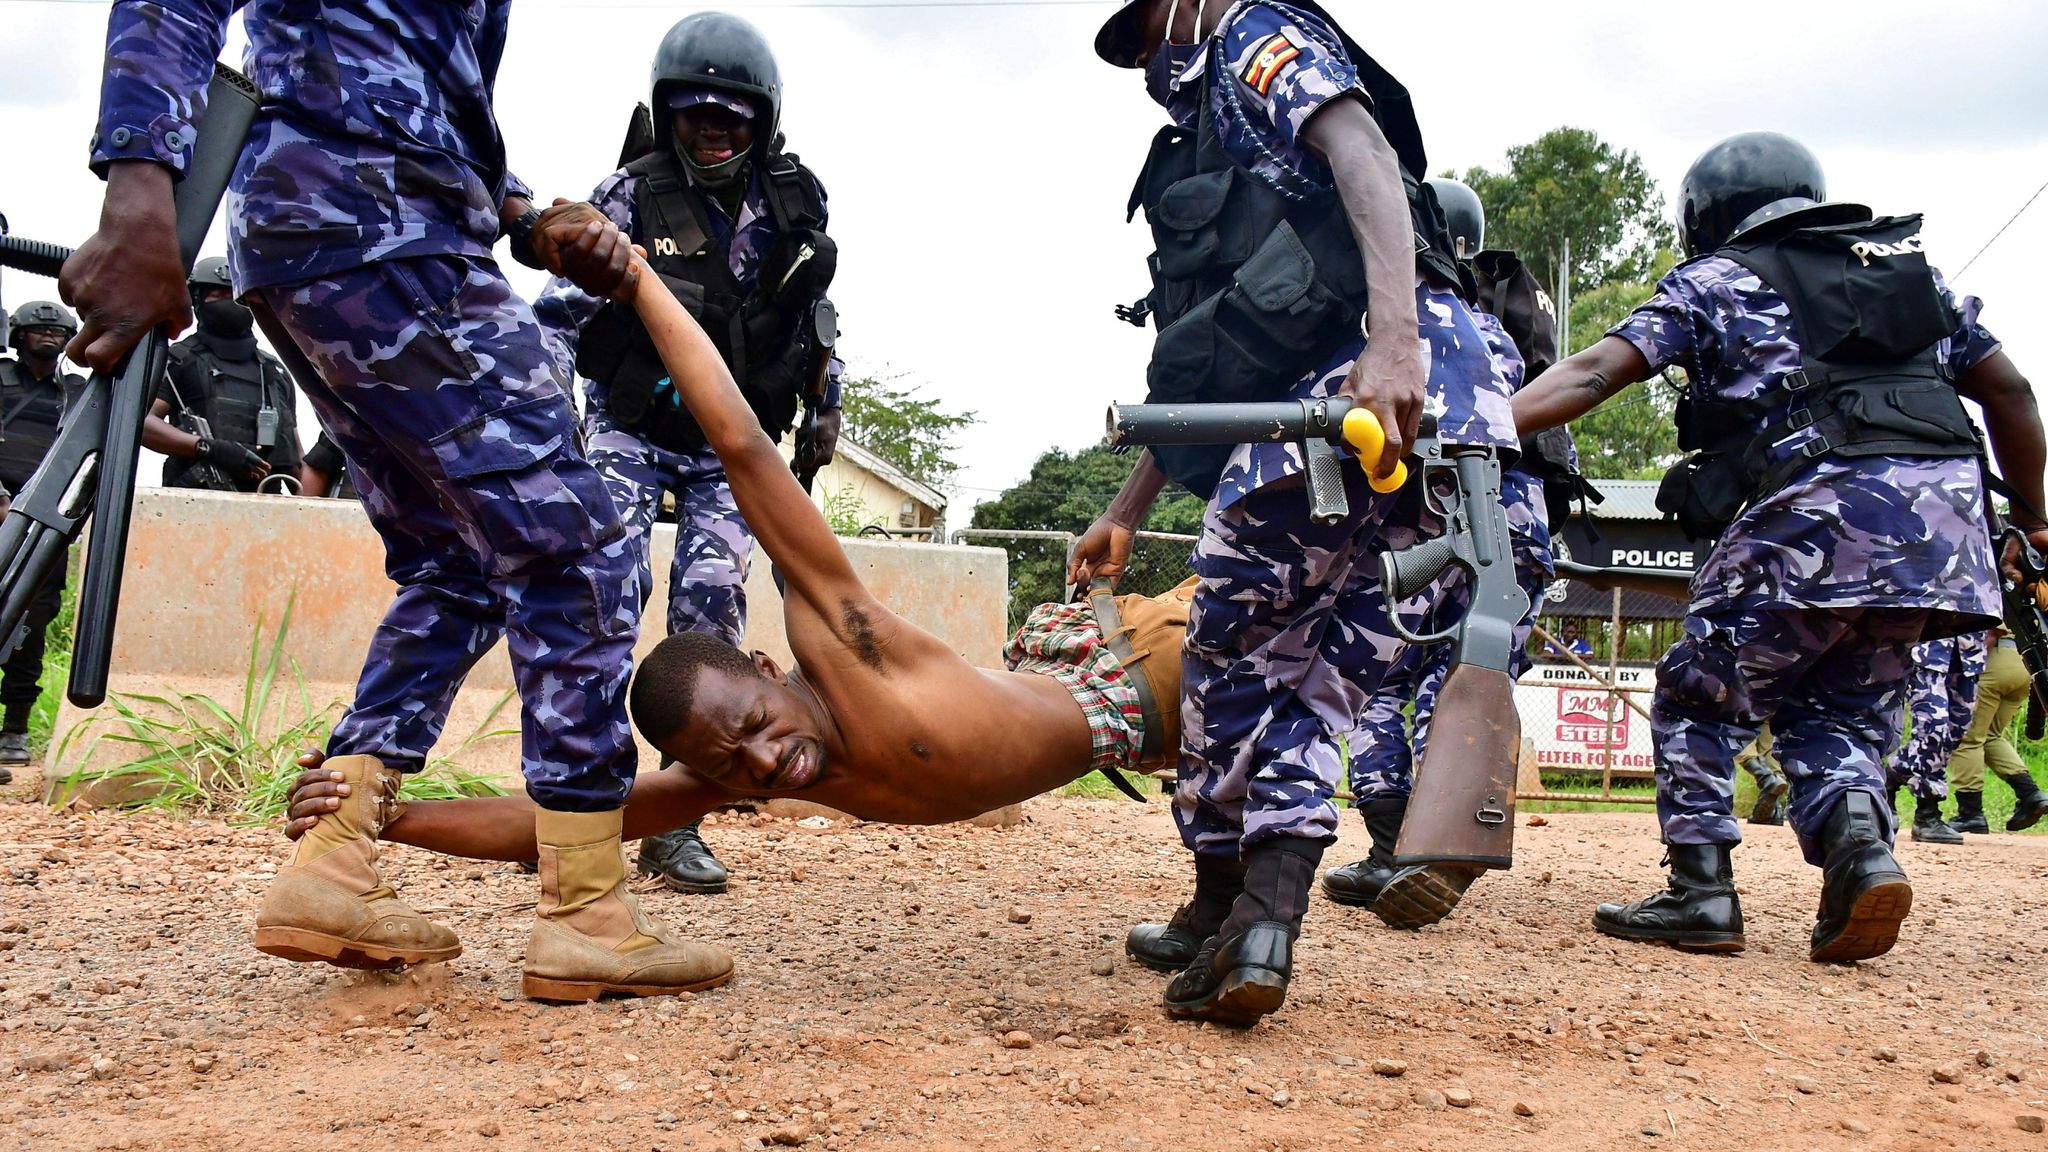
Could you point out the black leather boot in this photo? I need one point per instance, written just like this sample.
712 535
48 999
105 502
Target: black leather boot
1864 895
1699 910
1417 897
1771 792
682 861
2030 803
1241 973
1169 947
1929 827
1359 884
1970 814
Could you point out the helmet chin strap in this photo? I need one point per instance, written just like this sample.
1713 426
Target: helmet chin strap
719 176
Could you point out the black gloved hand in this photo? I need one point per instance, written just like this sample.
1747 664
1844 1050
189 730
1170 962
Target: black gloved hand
238 461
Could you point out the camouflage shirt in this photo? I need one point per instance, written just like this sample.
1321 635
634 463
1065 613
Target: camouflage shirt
1906 532
377 137
563 308
1267 69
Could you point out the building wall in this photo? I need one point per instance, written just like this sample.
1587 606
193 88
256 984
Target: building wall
204 567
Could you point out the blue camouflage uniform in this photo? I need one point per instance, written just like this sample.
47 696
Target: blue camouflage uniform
707 577
1806 611
1941 694
1384 756
1288 633
363 212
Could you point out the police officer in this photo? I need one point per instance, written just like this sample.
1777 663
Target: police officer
35 391
1833 462
1521 332
372 190
1940 695
226 415
1291 167
1986 741
736 225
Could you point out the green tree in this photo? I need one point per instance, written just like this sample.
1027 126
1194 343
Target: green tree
901 427
1631 436
1065 492
1568 185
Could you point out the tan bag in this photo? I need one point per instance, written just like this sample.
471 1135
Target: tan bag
1146 634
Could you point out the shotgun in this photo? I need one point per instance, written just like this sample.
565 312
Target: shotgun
1318 426
91 466
1651 581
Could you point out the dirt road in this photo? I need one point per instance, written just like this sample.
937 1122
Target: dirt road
958 987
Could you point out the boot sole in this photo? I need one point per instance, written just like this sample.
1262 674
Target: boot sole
2017 823
306 947
1767 803
1245 996
1873 925
1418 897
580 991
1936 839
1684 941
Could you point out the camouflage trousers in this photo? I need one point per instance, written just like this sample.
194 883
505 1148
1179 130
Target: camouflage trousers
438 384
1383 761
1941 693
1830 682
1287 637
707 577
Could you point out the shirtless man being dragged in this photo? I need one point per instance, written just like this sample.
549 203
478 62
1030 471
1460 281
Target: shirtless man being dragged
876 718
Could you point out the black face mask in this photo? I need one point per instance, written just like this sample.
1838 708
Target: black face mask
226 318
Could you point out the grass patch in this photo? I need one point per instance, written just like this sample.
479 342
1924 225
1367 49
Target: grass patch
1096 786
188 752
42 720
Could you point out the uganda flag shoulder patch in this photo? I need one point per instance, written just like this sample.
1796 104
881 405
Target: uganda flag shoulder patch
1268 61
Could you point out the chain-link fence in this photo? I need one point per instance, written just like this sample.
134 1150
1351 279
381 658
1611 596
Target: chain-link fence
1038 564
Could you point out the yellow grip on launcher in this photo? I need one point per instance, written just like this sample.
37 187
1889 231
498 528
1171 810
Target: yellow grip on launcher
1362 431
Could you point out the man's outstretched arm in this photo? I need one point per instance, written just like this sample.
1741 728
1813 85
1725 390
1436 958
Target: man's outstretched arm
1578 384
501 827
790 528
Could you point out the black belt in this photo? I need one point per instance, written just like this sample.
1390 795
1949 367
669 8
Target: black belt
1102 597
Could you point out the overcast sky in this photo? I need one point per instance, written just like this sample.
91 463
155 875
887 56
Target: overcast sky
978 157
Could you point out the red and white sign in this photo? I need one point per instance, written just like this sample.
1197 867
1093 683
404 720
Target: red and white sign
1577 726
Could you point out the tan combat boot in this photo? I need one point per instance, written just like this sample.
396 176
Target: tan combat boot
330 905
590 936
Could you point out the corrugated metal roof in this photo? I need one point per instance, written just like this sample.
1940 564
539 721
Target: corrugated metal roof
1626 500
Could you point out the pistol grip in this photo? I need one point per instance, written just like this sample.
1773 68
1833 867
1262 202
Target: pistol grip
1327 503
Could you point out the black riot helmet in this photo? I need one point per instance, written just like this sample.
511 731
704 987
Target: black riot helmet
1464 215
207 275
41 314
724 53
1738 179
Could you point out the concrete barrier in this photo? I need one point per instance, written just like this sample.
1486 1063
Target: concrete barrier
204 568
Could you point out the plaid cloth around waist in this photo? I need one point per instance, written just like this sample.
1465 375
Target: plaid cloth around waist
1064 642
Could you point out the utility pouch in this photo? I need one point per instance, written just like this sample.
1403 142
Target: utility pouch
1704 492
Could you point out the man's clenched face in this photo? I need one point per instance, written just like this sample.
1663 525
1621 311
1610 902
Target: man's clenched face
750 732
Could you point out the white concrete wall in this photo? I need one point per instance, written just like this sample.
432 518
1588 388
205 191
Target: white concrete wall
204 567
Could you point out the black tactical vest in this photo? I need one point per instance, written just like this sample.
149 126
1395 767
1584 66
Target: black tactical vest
30 411
1869 319
231 396
762 333
1252 288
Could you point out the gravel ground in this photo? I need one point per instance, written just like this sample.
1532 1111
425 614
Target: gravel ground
960 987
